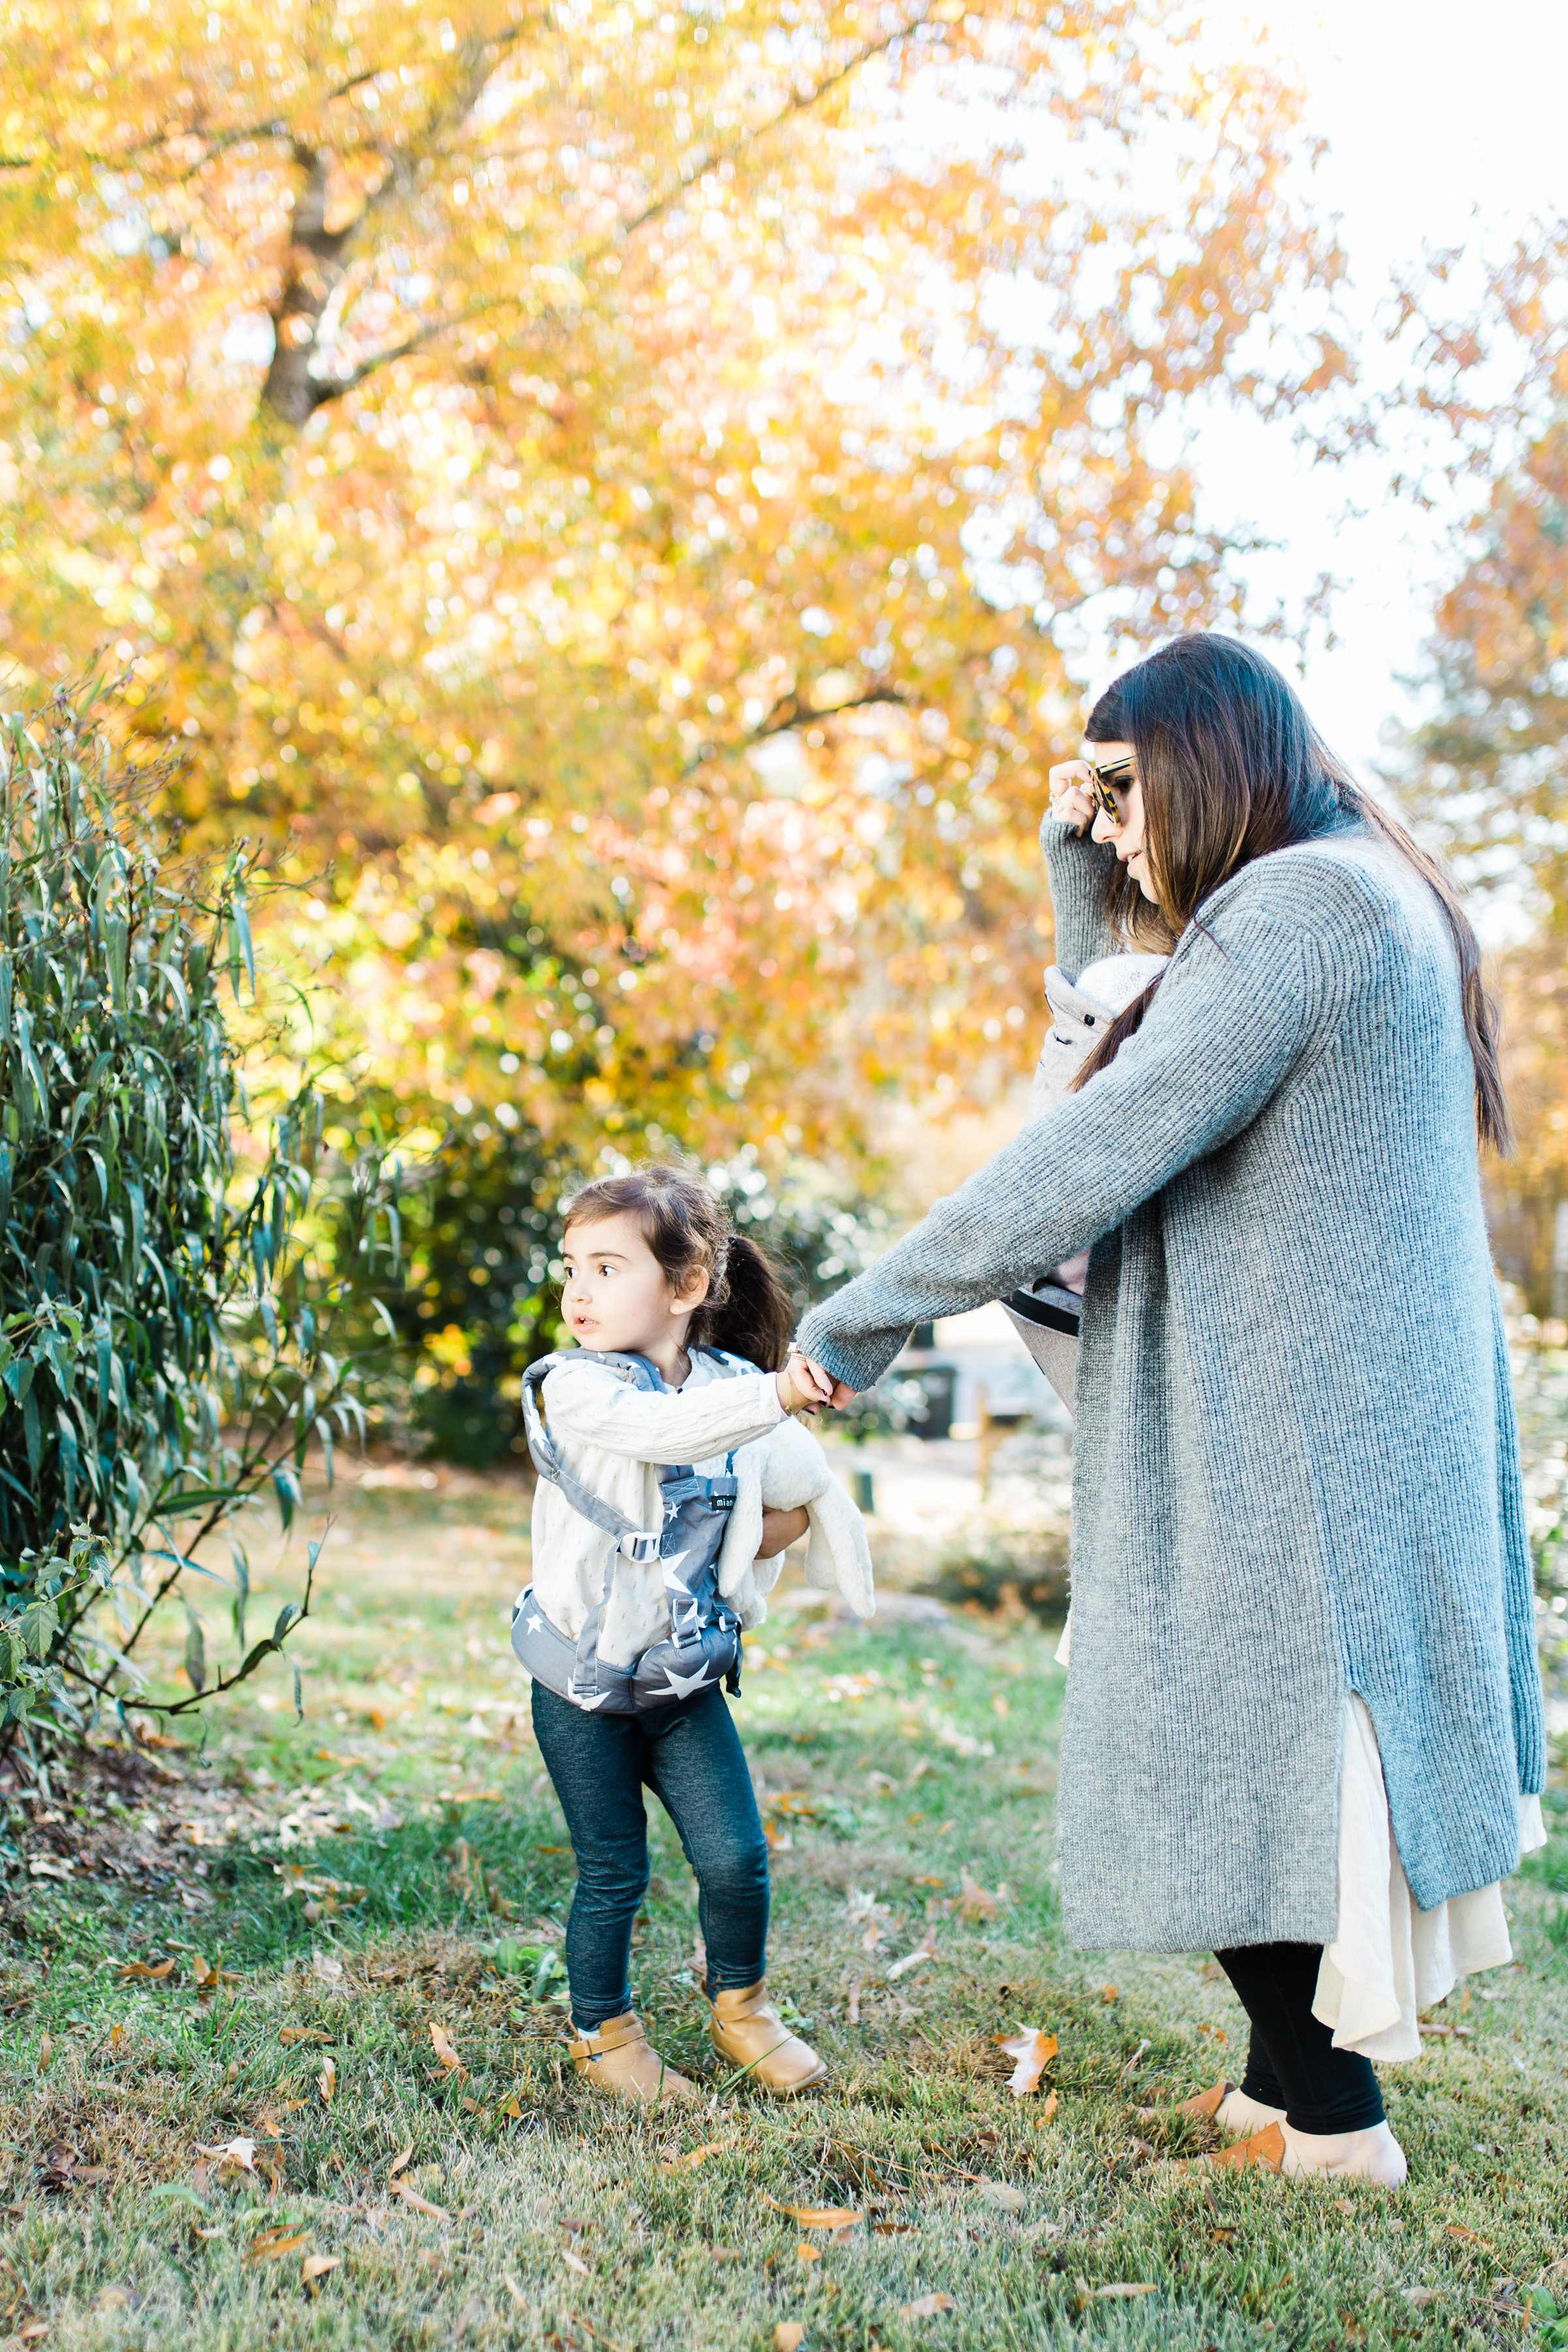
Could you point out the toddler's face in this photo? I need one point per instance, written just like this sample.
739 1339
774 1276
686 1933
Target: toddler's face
617 1297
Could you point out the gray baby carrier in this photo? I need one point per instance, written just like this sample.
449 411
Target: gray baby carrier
704 1647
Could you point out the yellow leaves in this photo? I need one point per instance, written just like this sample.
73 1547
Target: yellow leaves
441 2042
119 2041
209 1977
1123 2294
327 2081
817 2217
313 2268
145 1972
1033 2050
926 2307
45 2050
695 2156
418 2204
289 2034
806 2252
241 2151
271 2245
974 1902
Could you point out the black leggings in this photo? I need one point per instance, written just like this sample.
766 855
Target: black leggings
1291 2061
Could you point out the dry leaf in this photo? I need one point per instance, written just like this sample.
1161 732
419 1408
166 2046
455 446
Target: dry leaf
1470 2237
1123 2294
272 2244
926 2307
330 1971
894 2229
241 2151
694 2155
806 2252
1421 2296
513 2289
316 2266
1034 2049
1266 2147
817 2217
303 2033
207 1976
441 2041
1003 2195
1208 2103
45 2050
788 2336
575 2263
1049 2110
420 2204
1108 1994
512 2110
395 2166
327 2081
142 1972
118 2040
974 1902
34 2330
116 2298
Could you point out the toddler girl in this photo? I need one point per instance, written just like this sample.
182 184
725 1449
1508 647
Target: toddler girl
682 1329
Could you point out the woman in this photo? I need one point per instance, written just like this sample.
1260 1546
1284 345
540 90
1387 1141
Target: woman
1297 1512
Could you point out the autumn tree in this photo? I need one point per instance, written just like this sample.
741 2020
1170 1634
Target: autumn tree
613 484
1490 768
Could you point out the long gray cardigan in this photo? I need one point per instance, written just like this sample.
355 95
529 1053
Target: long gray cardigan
1296 1469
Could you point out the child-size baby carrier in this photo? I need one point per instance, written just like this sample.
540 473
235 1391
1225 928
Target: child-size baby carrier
704 1647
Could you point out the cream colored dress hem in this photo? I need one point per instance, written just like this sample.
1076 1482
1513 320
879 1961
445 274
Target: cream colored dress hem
1390 1959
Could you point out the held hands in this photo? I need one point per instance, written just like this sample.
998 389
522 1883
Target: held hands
804 1386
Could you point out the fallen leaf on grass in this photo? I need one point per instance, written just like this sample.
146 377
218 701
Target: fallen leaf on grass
975 1901
806 2252
1421 2296
116 2298
575 2263
788 2336
925 2306
327 2081
273 2245
45 2050
1208 2103
1266 2147
330 1971
1470 2237
515 2290
118 2040
316 2266
241 2151
207 1976
1034 2049
1049 2110
817 2217
34 2330
1122 2294
694 2155
143 1971
1003 2195
395 2166
303 2033
894 2229
420 2204
1107 1993
441 2042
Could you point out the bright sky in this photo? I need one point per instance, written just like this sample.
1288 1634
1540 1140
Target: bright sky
1445 128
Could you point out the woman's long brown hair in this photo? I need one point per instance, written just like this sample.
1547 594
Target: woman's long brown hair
1232 769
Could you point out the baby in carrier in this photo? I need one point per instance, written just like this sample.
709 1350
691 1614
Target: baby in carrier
672 1479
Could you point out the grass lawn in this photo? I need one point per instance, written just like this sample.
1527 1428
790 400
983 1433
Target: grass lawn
343 1898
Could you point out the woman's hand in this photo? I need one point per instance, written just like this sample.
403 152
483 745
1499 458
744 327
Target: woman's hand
780 1530
829 1391
1070 802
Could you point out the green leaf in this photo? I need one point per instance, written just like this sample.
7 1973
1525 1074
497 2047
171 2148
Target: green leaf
196 1651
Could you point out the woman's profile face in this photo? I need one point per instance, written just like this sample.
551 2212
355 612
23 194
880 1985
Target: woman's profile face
1126 835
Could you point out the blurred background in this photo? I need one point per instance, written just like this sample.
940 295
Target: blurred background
623 502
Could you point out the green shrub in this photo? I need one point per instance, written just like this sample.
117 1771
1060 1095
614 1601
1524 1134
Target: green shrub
166 1336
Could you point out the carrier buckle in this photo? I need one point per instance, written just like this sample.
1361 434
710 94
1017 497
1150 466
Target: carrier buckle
641 1545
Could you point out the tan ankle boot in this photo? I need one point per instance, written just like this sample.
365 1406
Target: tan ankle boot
619 2059
750 2032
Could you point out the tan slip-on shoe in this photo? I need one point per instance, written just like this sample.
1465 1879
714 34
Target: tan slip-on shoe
620 2060
1237 2115
749 2033
1375 2156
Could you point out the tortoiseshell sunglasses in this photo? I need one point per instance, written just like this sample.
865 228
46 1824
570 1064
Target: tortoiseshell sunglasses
1105 783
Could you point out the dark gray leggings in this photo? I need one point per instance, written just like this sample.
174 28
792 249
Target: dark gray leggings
690 1756
1291 2061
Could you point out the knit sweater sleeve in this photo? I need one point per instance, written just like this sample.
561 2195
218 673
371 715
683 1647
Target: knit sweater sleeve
1518 1578
587 1402
1239 1005
1079 869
